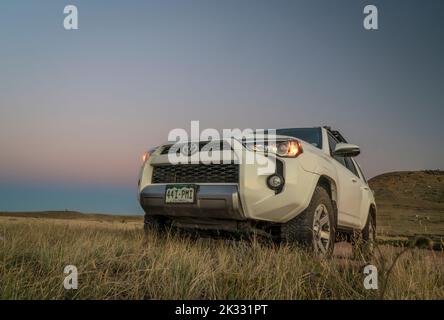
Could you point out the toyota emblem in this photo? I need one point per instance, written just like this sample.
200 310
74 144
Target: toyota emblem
189 149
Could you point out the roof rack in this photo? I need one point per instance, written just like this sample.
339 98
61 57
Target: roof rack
336 134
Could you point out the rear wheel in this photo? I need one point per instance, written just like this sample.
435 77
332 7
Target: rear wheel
315 227
364 241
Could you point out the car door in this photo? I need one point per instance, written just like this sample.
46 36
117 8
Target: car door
349 190
356 192
367 195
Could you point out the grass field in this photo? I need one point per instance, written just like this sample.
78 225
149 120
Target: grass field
116 260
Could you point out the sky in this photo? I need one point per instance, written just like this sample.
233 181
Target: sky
78 108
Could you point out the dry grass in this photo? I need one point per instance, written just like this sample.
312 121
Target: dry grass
116 261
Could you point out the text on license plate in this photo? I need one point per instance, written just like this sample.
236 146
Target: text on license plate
180 194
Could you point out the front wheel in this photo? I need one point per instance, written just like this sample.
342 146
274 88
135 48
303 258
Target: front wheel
315 227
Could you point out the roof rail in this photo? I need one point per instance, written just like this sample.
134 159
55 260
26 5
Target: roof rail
336 134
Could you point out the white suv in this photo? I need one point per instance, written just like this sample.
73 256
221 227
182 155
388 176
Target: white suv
315 192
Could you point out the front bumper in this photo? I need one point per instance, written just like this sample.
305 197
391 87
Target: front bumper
248 199
216 201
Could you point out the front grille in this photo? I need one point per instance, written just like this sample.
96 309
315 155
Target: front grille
196 173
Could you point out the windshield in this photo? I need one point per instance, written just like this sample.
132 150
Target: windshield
310 135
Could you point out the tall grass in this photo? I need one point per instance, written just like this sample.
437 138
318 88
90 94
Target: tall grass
117 261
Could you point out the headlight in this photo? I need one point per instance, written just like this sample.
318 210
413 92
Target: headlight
146 155
289 148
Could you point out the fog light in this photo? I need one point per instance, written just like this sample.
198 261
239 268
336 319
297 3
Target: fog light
275 181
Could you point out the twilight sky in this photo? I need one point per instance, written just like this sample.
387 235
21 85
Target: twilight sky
78 108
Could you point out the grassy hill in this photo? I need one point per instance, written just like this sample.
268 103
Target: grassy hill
410 202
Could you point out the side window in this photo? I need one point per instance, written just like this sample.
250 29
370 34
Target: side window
332 145
351 166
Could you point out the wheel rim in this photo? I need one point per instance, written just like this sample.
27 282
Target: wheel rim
321 230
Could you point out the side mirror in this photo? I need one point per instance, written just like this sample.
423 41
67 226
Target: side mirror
346 150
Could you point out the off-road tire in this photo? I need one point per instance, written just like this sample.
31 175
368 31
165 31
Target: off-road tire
364 242
301 229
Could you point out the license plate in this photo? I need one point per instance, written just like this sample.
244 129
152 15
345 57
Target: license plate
180 193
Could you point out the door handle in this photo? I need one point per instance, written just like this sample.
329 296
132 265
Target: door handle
366 188
354 180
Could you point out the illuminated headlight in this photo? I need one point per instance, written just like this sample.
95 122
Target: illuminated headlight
147 154
275 182
288 148
145 157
